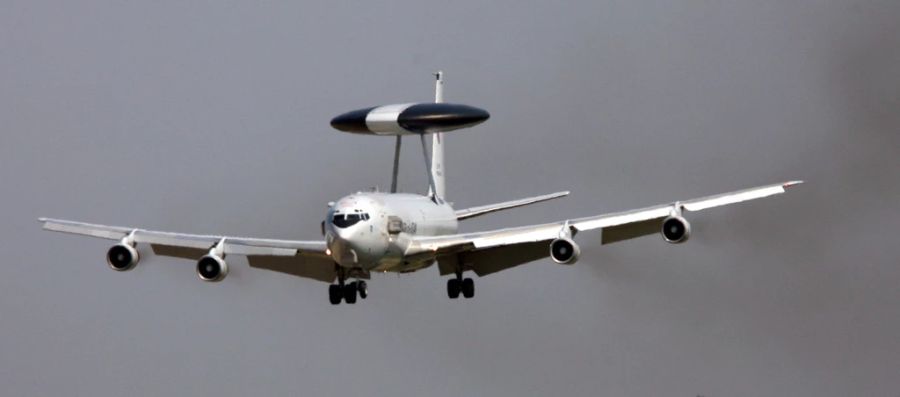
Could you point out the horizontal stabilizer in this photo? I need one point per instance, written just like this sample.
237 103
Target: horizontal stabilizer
484 209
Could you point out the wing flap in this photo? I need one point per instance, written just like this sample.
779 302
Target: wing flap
621 218
627 231
307 266
258 246
492 260
178 252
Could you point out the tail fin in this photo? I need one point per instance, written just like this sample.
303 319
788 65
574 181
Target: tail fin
437 146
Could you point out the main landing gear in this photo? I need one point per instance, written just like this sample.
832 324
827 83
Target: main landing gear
460 284
347 292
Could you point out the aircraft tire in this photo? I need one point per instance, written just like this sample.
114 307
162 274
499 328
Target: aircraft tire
350 293
363 289
335 294
453 287
468 288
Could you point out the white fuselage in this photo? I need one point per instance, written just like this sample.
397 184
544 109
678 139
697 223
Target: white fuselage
371 231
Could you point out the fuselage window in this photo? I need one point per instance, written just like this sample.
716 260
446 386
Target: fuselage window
347 220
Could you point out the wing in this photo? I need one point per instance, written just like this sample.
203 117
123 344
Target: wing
300 258
491 251
486 209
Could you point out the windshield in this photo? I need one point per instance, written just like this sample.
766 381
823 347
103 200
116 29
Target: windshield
347 220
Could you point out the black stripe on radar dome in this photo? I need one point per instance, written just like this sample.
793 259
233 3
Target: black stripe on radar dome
435 117
352 121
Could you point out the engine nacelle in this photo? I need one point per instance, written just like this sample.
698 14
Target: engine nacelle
676 230
564 251
212 268
122 257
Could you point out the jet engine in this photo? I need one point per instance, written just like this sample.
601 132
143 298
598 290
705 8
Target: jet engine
564 251
676 230
122 257
212 268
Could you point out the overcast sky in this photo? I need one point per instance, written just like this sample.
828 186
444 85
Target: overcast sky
212 117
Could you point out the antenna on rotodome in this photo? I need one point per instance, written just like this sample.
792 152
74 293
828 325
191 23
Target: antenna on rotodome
437 190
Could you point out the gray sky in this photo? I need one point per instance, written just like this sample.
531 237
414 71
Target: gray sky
212 117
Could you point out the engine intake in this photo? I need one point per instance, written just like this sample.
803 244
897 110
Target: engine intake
122 257
212 268
564 251
676 230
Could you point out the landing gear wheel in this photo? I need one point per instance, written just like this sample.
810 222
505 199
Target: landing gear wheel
362 288
350 293
468 288
335 294
453 287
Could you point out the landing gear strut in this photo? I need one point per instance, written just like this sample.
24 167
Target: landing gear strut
460 284
346 291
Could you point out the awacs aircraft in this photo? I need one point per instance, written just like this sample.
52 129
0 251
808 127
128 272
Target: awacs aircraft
369 232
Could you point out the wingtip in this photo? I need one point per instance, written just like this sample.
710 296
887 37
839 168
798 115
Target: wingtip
791 183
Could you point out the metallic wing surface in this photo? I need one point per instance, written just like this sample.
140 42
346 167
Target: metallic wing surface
300 258
491 251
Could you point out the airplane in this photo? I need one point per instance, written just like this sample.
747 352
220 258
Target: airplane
393 232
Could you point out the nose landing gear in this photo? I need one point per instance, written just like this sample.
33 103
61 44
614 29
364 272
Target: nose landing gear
347 291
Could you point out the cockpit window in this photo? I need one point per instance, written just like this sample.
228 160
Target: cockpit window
347 220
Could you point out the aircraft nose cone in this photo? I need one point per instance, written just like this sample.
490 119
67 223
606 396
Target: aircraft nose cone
436 117
342 250
353 121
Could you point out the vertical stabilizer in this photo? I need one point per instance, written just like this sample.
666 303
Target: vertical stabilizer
437 145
